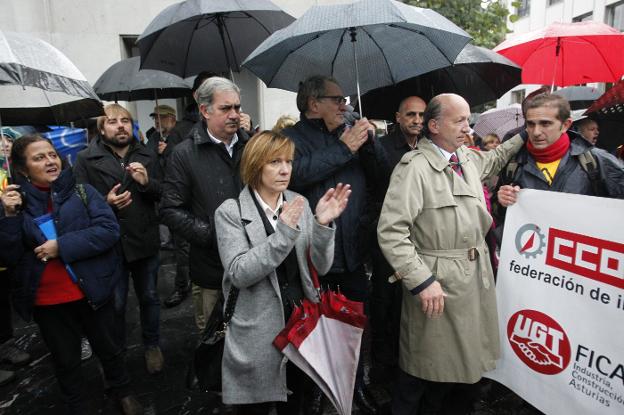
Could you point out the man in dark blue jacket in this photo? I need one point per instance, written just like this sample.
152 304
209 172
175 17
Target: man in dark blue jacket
557 159
328 152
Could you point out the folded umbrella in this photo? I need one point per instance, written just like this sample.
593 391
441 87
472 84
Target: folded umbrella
323 339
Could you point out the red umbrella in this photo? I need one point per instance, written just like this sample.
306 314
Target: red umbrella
567 54
323 339
610 102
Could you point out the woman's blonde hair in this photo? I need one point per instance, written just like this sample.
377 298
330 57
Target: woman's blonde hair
259 151
284 121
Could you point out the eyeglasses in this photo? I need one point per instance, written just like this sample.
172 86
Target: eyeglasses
338 100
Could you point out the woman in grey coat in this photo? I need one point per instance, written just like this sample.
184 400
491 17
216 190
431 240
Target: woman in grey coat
264 239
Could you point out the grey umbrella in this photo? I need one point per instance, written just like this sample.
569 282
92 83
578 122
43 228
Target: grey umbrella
124 81
364 45
39 85
208 35
580 97
478 74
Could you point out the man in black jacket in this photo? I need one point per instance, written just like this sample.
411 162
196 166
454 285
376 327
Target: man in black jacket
385 301
127 174
328 152
202 172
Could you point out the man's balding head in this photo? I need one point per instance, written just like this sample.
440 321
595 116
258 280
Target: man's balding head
410 117
446 121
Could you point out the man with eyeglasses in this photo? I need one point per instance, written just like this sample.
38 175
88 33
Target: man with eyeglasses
202 172
328 152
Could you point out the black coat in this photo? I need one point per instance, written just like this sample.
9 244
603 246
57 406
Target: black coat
394 148
99 167
321 162
200 176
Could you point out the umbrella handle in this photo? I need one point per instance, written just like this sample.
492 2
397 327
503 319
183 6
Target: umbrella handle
313 271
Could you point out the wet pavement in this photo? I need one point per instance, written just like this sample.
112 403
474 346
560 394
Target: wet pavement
36 392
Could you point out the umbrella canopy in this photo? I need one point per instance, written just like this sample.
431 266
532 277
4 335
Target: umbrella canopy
499 121
323 339
365 45
567 53
611 103
208 35
124 81
478 74
39 85
580 97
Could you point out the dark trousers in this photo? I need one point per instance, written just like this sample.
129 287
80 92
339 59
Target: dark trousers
385 315
413 396
144 273
62 326
182 248
6 325
297 381
354 286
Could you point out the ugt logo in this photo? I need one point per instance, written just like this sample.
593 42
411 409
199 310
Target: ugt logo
530 240
539 341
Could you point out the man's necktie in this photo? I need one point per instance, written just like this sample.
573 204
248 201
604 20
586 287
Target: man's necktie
455 165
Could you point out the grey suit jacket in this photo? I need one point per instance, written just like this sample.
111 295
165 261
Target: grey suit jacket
253 369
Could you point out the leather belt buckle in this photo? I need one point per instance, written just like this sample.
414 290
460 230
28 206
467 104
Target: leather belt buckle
473 254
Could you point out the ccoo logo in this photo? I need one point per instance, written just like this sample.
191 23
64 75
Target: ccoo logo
530 241
539 341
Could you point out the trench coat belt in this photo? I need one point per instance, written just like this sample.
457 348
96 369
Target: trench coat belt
471 254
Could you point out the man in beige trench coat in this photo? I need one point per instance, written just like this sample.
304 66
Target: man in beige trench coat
431 230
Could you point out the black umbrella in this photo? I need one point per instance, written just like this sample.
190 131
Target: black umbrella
208 35
124 81
580 97
478 74
364 45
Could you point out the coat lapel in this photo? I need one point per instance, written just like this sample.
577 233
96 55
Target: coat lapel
254 227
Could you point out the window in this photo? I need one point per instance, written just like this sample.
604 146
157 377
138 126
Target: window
551 2
129 46
615 16
584 17
523 8
517 96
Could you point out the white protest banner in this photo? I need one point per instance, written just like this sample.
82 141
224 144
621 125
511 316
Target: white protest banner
560 292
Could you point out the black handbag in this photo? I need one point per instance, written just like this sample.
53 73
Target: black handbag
209 353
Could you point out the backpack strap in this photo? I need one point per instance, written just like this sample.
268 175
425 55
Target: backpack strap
510 171
82 194
590 166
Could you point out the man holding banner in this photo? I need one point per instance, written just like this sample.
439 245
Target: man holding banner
558 159
432 232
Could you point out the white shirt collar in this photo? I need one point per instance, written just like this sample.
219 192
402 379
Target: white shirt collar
272 215
443 152
230 147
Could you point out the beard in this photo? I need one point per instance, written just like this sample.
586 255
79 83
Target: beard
118 140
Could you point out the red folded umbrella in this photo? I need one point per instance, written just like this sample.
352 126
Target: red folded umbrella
323 339
567 54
